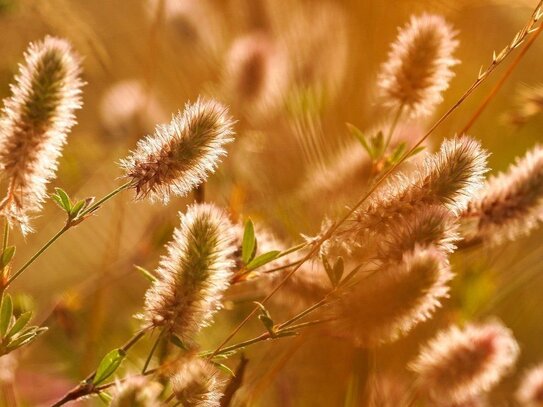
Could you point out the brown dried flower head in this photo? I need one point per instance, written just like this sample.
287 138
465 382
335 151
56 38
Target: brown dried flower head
419 65
137 392
511 204
528 105
390 302
196 383
459 364
180 156
35 122
530 391
194 274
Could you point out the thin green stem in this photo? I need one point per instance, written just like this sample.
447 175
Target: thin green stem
392 128
151 352
107 197
46 246
66 227
5 238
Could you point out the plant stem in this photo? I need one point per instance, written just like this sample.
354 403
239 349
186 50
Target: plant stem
35 256
151 352
66 227
87 387
392 128
501 82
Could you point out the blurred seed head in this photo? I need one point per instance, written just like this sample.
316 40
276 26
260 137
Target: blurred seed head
530 391
459 364
180 156
511 204
194 274
431 226
255 74
390 302
419 65
196 383
128 109
137 392
35 122
529 103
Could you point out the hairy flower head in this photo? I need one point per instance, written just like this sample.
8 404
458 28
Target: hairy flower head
194 274
137 392
390 302
530 391
179 156
196 383
419 64
511 204
459 364
35 122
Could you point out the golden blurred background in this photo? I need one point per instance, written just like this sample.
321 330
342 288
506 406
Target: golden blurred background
143 60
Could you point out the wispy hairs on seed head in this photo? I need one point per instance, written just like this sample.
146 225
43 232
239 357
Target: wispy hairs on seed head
511 204
196 383
448 178
180 155
35 122
419 65
194 274
459 364
530 390
390 302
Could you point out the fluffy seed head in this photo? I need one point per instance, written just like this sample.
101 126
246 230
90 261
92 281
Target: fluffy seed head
419 64
459 364
137 392
180 155
511 204
529 104
35 122
433 226
194 274
255 73
530 391
390 302
448 178
128 108
196 383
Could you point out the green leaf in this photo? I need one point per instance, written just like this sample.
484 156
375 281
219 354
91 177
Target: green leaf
337 271
105 397
76 209
397 154
20 323
378 144
263 259
6 312
108 365
27 336
248 244
146 273
63 200
416 151
7 255
225 369
178 342
355 131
